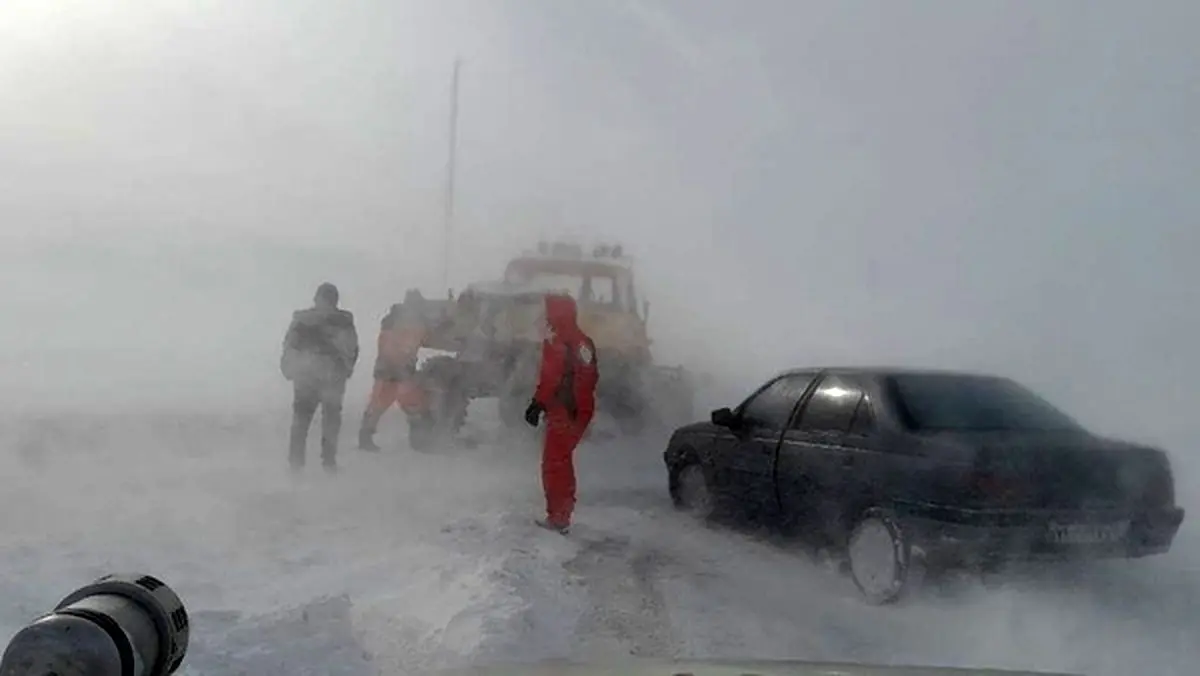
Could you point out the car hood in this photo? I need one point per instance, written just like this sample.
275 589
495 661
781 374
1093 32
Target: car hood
696 427
728 668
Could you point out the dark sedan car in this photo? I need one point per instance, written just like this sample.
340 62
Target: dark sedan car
958 468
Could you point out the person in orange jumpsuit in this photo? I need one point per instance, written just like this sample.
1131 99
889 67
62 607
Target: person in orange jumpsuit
566 394
402 332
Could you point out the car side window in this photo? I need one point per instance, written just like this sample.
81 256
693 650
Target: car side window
831 407
773 405
863 422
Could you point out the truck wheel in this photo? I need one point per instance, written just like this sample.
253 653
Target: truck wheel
421 432
632 424
879 553
517 389
454 408
675 407
690 491
512 411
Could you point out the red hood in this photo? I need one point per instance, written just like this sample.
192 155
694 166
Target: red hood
561 315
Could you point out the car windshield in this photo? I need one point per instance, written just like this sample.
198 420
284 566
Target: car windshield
551 283
966 402
600 289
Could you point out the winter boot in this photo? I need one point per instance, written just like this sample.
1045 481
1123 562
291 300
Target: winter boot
366 433
366 442
560 528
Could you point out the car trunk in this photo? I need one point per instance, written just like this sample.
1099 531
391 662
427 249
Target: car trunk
1067 471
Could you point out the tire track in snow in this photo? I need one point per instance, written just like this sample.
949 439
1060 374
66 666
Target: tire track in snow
531 604
593 595
627 612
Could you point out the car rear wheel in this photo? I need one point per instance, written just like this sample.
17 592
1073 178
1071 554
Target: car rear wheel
879 554
692 493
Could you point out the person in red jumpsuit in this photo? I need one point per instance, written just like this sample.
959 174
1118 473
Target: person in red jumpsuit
566 394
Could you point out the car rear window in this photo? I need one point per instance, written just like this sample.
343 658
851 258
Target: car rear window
967 402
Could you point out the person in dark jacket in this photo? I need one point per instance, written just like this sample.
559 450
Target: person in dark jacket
320 351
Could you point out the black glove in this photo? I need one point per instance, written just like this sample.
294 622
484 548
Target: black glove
533 413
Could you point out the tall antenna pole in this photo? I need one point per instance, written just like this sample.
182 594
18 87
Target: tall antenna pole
448 225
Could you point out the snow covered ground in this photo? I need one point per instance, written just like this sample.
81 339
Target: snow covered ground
408 561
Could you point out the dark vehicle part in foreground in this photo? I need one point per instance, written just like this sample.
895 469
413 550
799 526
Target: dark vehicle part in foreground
961 470
120 625
134 625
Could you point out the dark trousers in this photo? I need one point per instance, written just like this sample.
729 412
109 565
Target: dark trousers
309 395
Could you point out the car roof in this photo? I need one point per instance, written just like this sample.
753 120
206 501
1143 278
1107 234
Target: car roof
885 371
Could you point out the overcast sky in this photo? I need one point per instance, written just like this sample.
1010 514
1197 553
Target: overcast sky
1000 185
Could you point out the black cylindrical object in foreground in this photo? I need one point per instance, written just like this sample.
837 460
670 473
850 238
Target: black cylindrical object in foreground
120 625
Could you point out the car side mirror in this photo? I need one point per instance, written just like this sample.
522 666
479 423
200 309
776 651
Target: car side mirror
723 417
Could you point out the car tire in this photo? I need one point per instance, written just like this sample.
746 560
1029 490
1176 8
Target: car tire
690 491
879 556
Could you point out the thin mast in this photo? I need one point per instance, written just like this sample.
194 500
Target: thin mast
448 224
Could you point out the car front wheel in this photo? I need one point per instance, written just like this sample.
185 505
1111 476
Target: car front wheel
691 491
878 554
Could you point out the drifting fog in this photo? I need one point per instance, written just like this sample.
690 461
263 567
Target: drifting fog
1006 186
